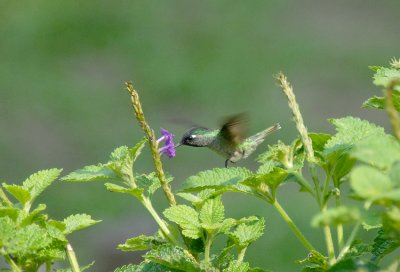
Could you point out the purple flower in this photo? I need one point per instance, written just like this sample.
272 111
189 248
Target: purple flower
169 147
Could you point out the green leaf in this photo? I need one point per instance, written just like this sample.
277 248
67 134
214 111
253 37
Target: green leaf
136 192
28 239
394 174
350 130
150 182
285 156
353 265
212 213
19 192
319 140
377 150
248 232
371 220
84 268
273 179
218 177
11 212
173 257
122 159
236 266
145 267
7 230
141 242
77 222
187 218
39 181
32 217
91 173
383 245
369 183
384 76
378 102
336 216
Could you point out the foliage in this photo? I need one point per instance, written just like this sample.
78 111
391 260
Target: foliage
358 165
28 238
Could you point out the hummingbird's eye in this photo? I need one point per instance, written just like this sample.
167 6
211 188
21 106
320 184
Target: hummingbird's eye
191 137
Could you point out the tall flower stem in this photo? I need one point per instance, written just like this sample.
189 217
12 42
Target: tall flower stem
14 266
152 143
391 110
72 259
293 226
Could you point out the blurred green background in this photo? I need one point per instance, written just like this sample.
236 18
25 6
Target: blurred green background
63 103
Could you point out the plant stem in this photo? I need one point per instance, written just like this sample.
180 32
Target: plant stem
391 110
161 223
339 228
293 226
14 266
152 143
72 259
207 248
4 199
303 182
48 266
329 244
241 254
349 241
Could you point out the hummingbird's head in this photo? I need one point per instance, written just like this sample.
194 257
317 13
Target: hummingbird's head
196 136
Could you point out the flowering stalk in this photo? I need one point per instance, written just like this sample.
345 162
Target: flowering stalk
72 259
152 142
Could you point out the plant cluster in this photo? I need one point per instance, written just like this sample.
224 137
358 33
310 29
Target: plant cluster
353 176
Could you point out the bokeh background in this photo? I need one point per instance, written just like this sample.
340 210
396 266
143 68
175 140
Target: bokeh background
63 103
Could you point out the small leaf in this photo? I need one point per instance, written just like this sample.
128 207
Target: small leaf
218 177
350 130
378 102
236 266
18 192
336 216
77 222
91 173
369 183
246 233
136 192
39 181
173 257
28 240
383 245
11 212
384 76
187 218
33 217
212 214
379 151
273 179
7 230
150 182
141 242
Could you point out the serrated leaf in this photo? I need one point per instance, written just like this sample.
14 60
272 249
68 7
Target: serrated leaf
173 257
319 140
55 232
146 267
91 173
19 192
11 212
39 181
350 130
122 159
353 265
7 230
369 183
211 214
246 233
384 76
218 177
78 221
28 240
150 182
378 102
379 151
383 245
136 192
236 266
141 242
32 217
189 197
335 216
187 218
273 179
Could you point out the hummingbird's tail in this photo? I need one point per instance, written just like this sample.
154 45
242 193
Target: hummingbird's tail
260 137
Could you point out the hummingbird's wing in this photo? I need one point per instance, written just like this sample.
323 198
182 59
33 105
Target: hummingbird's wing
234 128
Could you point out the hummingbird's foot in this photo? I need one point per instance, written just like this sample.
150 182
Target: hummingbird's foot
226 163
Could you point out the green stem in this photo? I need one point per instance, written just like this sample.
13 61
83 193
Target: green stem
207 248
241 254
14 266
72 259
349 241
303 182
48 266
339 228
161 223
329 244
315 179
293 226
4 199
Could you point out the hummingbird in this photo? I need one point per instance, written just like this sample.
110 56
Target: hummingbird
229 140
